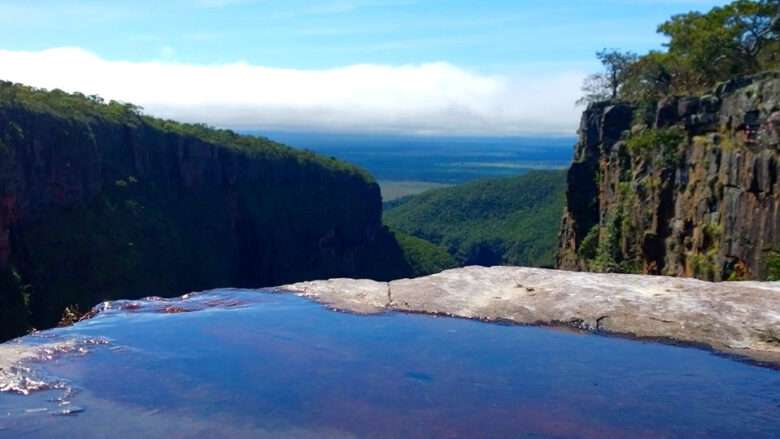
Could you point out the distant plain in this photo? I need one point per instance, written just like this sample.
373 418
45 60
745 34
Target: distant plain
409 165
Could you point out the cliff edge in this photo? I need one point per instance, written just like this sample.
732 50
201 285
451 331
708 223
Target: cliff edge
98 202
684 187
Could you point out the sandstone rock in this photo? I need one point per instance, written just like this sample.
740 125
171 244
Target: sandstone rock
357 295
735 318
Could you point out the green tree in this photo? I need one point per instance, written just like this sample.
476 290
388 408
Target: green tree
737 39
607 84
731 40
648 79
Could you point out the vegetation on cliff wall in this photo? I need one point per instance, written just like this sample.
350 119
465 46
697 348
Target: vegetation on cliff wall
682 185
691 191
99 202
511 220
773 266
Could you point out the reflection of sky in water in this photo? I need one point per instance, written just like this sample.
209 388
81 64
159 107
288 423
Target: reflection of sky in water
261 365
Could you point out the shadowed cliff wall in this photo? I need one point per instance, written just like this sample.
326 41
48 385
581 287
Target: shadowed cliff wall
94 208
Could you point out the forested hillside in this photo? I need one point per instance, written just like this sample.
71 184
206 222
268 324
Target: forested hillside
510 220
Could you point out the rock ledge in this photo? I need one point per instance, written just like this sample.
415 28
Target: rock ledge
737 318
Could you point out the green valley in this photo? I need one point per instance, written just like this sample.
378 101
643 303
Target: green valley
508 220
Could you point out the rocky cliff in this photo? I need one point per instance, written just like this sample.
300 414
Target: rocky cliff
98 202
684 187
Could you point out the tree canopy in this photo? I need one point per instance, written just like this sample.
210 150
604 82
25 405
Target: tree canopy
607 84
78 107
740 38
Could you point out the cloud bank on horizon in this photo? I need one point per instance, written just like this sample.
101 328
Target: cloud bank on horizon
428 98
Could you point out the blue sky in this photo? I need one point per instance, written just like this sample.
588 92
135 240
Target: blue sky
518 44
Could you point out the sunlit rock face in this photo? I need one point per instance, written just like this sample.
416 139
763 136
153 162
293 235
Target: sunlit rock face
688 187
740 318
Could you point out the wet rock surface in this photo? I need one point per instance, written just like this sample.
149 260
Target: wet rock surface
737 318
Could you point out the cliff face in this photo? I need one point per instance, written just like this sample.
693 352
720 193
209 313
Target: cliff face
686 188
93 209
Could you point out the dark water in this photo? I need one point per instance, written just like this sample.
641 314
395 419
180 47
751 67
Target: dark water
437 159
246 364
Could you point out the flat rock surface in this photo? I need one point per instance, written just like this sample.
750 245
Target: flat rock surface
740 318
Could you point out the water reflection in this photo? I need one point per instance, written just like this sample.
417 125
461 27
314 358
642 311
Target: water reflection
235 363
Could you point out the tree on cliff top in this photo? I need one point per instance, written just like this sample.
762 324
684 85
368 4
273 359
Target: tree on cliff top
607 84
740 38
737 39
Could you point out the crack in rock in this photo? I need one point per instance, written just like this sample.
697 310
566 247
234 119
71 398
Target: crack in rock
598 322
389 297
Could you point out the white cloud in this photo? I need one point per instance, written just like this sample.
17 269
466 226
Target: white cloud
425 98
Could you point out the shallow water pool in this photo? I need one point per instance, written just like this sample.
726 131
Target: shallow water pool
247 364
